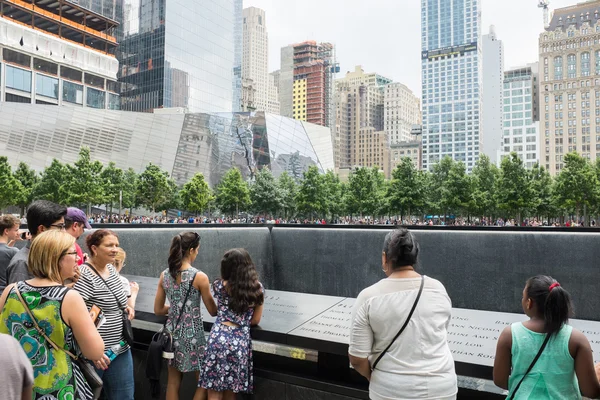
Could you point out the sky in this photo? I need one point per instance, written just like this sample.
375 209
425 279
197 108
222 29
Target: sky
384 36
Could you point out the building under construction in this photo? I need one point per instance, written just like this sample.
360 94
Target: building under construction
313 67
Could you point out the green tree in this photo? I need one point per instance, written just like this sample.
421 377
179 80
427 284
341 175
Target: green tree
130 184
577 185
84 185
514 192
12 191
365 192
289 192
113 180
458 190
438 188
196 195
232 193
542 186
51 181
334 192
406 191
154 189
484 177
311 198
29 179
265 194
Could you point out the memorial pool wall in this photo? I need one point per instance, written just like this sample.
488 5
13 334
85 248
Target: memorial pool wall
482 268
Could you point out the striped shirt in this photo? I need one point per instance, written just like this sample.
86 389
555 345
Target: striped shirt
94 292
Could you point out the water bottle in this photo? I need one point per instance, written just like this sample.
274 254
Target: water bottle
113 351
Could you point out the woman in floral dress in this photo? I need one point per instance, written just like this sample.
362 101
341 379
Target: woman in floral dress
227 365
188 335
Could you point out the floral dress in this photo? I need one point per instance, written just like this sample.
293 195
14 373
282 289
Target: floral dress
227 363
188 337
56 377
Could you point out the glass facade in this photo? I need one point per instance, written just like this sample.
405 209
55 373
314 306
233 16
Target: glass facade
180 54
451 80
46 86
18 79
182 144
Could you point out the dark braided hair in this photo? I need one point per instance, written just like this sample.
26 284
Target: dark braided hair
180 245
400 248
243 287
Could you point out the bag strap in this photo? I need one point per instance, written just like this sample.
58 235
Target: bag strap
184 302
512 396
105 284
37 327
412 310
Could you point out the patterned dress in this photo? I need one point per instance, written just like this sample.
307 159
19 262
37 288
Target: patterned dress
227 363
55 376
188 338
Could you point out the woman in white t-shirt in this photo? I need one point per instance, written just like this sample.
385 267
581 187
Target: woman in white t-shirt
418 365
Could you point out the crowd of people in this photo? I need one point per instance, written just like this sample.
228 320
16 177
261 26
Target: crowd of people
65 328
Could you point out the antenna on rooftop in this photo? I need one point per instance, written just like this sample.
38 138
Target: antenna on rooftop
544 4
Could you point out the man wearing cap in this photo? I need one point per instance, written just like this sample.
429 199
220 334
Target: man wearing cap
75 224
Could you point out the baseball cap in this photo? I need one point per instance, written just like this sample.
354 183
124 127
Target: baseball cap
79 216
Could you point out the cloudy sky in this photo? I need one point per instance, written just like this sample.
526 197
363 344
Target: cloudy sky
384 35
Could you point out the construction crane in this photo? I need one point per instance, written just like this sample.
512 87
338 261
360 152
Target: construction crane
544 4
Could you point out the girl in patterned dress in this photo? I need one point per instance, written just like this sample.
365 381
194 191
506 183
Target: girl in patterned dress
227 365
188 335
59 311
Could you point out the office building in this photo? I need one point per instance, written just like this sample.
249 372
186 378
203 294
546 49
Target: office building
451 80
521 130
493 76
180 143
411 149
238 37
255 60
306 83
402 111
58 54
273 99
180 53
360 139
569 75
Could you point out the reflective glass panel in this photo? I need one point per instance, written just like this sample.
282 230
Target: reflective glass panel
46 86
72 92
17 78
95 98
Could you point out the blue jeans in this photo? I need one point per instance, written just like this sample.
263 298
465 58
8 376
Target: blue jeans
118 382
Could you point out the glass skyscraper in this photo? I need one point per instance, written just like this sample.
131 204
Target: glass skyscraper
451 80
178 54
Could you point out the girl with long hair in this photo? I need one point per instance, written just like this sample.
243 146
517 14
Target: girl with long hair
227 365
188 336
565 367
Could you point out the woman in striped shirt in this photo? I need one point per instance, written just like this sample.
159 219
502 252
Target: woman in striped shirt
100 285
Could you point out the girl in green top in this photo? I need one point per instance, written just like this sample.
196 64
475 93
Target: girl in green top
565 369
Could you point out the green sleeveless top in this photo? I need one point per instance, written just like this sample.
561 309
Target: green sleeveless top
55 375
553 376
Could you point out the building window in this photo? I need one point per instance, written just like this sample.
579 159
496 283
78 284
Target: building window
585 64
46 86
558 68
571 66
17 58
13 98
18 79
72 92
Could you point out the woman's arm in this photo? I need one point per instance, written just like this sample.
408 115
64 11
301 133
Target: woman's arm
503 360
584 365
159 301
258 310
361 365
77 316
203 285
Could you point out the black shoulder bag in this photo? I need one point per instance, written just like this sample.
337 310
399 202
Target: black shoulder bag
512 396
412 310
127 329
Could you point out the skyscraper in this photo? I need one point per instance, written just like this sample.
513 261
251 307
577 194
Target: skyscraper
451 80
238 36
570 85
177 54
493 75
255 60
521 131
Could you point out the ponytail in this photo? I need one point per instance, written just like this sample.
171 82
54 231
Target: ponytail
553 302
180 246
175 256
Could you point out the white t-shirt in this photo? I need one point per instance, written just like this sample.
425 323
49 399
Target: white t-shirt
419 364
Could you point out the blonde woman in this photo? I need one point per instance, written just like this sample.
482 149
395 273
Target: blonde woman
59 311
131 288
